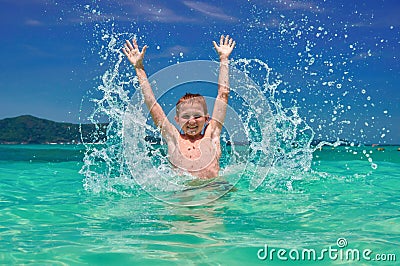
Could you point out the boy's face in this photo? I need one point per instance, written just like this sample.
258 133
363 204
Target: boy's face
191 118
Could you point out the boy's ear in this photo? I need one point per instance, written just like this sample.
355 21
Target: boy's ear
176 119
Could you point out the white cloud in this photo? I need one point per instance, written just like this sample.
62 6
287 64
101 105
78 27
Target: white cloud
282 5
297 5
33 22
209 10
155 12
36 51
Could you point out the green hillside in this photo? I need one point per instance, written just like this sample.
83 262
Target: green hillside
28 129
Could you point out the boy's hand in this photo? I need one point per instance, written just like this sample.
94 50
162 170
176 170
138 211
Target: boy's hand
225 47
133 53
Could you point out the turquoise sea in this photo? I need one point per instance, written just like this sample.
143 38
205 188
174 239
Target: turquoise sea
343 209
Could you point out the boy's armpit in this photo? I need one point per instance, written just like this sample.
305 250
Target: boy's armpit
169 131
214 128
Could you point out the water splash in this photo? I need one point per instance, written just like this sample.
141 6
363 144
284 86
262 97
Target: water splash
275 136
280 118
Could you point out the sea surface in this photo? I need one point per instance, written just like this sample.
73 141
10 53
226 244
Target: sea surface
343 211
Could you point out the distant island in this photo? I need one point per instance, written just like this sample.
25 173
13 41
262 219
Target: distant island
27 129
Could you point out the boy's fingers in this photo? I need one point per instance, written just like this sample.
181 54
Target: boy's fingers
215 45
221 41
124 51
144 49
128 44
135 44
233 44
226 39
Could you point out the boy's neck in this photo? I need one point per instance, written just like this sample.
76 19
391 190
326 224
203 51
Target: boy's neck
191 138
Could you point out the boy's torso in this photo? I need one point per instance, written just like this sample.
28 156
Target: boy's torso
199 157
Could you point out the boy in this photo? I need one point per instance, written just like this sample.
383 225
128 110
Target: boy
194 151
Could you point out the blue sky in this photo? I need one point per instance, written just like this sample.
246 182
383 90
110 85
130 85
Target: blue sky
50 60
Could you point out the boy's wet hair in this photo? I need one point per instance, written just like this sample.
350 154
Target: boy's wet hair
192 98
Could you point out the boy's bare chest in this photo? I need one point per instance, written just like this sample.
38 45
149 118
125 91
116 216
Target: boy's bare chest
196 149
196 156
199 157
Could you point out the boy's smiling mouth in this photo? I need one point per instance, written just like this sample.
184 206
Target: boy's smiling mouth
192 129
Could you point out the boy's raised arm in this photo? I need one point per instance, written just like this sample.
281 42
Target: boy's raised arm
224 49
135 57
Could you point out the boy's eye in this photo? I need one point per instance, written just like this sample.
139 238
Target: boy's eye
188 116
